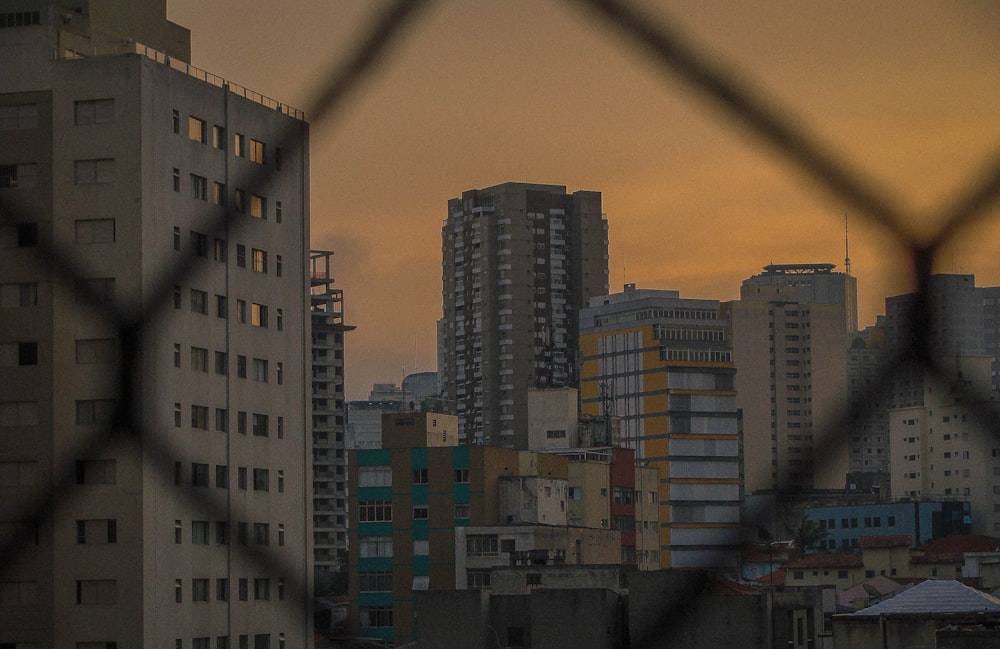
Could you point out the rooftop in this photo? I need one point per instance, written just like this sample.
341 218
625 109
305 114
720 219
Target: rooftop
934 596
949 549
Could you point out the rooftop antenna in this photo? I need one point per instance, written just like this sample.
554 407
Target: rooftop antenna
847 248
624 271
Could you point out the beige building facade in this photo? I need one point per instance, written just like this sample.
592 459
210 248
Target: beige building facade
134 166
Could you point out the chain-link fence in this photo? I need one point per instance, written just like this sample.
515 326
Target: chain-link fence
668 51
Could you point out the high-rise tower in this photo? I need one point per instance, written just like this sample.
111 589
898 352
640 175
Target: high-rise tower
519 262
791 331
134 164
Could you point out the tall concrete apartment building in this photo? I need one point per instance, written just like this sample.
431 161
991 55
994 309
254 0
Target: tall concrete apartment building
134 164
869 441
942 449
519 262
663 365
791 330
991 332
329 486
955 328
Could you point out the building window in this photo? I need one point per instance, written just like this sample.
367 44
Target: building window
199 301
219 137
375 581
420 476
96 591
221 476
375 546
478 579
370 511
260 370
199 359
94 411
178 528
260 424
219 250
239 145
261 531
102 531
222 590
258 260
277 211
177 240
218 194
221 363
462 475
222 532
482 545
199 532
256 151
241 367
241 255
26 175
241 311
199 478
258 315
18 118
376 616
86 172
279 319
96 289
281 534
175 121
261 591
199 187
375 476
197 130
93 111
18 295
241 477
199 244
258 207
199 417
420 512
240 201
94 231
261 480
243 588
279 371
462 511
241 422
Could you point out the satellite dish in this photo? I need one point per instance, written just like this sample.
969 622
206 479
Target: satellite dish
871 590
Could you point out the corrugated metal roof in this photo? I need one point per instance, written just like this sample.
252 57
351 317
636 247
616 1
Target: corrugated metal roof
935 596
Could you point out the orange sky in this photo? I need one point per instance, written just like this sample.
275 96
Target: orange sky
485 91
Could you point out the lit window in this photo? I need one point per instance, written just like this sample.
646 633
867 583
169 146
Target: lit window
259 260
256 151
197 130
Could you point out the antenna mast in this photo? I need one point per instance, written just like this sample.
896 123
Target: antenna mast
847 248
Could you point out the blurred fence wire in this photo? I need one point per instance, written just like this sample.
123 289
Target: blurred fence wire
669 51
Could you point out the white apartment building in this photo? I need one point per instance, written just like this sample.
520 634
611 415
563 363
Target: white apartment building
943 449
191 528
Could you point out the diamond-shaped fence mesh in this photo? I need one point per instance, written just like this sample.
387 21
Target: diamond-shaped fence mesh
668 51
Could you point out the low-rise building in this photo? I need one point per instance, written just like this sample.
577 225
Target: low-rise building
921 520
427 514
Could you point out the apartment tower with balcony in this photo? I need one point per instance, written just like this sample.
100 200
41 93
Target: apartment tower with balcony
519 262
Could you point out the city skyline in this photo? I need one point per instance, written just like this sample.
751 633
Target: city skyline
693 204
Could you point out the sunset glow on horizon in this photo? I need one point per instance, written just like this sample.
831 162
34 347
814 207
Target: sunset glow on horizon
477 93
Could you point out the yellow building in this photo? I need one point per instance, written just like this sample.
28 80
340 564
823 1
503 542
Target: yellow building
662 364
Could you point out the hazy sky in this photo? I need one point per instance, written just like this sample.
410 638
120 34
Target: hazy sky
481 92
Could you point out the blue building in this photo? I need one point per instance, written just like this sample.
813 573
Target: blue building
922 521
